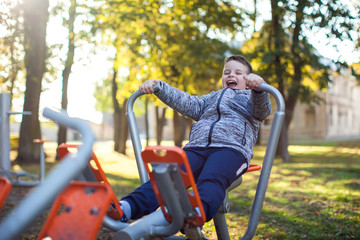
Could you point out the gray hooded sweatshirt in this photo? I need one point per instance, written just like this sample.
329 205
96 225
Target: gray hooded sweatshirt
225 118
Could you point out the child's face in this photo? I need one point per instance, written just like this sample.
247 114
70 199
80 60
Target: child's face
233 75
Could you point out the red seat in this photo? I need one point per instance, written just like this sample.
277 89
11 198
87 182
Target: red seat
5 187
175 155
115 210
78 212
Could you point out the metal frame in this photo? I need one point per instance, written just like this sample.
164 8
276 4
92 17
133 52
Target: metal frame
165 175
219 219
43 196
268 161
5 164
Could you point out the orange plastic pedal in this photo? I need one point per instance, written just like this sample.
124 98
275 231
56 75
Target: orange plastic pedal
178 156
114 210
78 212
5 187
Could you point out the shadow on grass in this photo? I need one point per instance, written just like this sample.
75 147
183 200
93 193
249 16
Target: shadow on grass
315 196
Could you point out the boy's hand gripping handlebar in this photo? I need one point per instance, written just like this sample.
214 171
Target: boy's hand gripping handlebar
134 132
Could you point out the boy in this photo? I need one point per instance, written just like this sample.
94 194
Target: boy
221 141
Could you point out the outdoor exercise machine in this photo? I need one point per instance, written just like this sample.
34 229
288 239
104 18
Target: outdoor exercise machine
16 178
179 207
163 173
57 180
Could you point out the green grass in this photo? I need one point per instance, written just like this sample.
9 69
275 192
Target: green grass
315 196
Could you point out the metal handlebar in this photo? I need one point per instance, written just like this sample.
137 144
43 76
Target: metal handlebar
134 132
43 196
268 160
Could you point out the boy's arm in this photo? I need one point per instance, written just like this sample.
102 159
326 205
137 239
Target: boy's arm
261 107
184 103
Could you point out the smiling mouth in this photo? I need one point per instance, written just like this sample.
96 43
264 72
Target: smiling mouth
231 83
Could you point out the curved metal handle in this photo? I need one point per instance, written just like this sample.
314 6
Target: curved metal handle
55 182
277 95
268 160
134 132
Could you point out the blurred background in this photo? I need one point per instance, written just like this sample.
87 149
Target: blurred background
86 57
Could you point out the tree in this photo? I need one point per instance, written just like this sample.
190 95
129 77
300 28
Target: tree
120 123
35 20
62 133
179 41
11 45
185 47
282 53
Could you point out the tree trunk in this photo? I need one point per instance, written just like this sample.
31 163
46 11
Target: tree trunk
62 133
180 124
147 121
124 129
282 149
12 42
293 92
160 123
35 19
255 15
13 71
117 112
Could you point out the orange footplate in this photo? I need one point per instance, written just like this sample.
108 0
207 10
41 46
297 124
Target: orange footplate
178 156
78 212
253 167
5 187
114 210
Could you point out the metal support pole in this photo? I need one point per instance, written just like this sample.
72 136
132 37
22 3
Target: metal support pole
42 158
5 164
4 134
267 163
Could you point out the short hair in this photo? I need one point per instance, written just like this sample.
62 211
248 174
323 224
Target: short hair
241 60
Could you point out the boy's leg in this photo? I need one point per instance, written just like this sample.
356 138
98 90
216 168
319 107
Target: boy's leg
143 201
222 167
196 158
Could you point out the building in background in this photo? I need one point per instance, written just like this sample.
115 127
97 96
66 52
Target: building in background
335 118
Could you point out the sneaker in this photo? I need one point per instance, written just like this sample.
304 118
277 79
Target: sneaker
124 219
115 214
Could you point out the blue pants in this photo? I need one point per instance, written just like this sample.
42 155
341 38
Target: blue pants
214 170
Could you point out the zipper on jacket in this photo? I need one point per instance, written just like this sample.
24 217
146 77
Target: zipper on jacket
217 120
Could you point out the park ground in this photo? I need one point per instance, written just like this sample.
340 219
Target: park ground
315 196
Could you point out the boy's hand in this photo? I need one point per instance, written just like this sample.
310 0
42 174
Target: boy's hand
253 81
147 86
